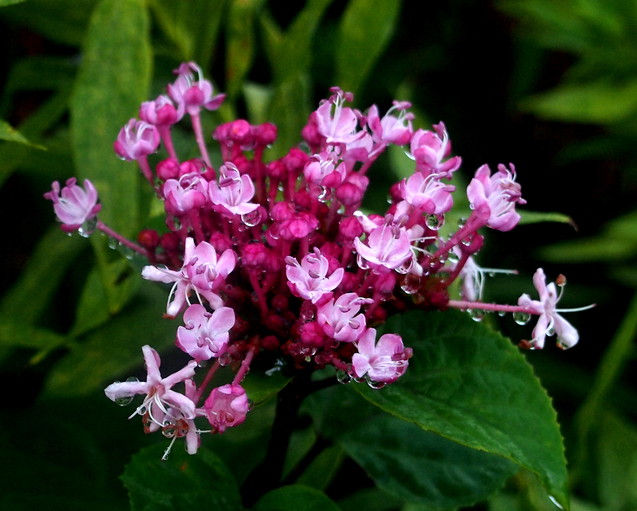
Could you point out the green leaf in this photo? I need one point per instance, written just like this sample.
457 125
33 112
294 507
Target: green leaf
404 460
365 30
594 102
534 217
4 3
240 41
182 482
422 467
191 26
94 309
473 387
617 242
294 498
10 134
260 386
62 21
34 290
114 350
294 49
105 97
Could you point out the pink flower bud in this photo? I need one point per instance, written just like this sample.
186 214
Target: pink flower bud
136 139
73 205
226 407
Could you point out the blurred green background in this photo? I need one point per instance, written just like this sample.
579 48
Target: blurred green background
550 86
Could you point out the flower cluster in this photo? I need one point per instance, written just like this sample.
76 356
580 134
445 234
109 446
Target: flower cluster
276 260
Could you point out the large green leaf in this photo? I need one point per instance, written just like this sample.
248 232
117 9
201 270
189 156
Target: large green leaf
294 498
404 460
113 80
364 32
594 102
182 482
114 350
33 291
240 42
191 26
472 386
62 21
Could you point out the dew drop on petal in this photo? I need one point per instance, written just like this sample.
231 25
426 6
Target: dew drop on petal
521 318
435 222
124 400
252 219
88 227
375 384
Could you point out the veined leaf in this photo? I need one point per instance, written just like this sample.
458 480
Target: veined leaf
472 386
113 80
182 482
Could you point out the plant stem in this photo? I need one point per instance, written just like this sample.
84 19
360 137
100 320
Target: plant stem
268 475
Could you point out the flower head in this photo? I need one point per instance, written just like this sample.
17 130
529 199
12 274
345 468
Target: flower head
550 322
136 139
493 197
191 93
226 407
309 279
234 191
74 205
158 390
202 271
382 362
205 335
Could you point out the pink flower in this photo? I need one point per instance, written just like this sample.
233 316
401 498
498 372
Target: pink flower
191 94
226 407
549 322
325 170
202 272
309 279
205 335
233 191
340 318
158 390
336 122
391 129
136 139
430 149
74 205
427 193
160 112
188 192
384 361
387 247
493 197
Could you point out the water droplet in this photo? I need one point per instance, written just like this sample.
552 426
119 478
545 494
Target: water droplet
476 314
410 284
225 359
124 400
88 227
501 313
466 242
113 243
550 331
343 377
521 318
555 502
252 219
435 222
452 257
325 194
462 221
375 384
